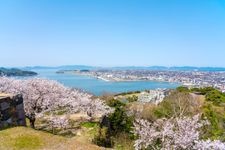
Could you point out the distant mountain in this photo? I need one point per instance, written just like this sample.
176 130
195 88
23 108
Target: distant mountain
139 68
16 72
83 67
66 67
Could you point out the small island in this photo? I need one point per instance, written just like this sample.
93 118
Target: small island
16 72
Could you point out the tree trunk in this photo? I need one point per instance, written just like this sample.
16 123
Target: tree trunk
32 121
90 115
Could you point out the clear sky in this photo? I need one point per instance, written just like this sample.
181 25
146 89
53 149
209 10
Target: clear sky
112 32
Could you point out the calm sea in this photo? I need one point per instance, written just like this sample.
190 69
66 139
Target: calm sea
98 87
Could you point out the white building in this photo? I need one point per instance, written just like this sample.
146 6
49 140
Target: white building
152 96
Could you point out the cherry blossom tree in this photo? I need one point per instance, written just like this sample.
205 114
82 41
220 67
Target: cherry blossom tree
10 85
209 145
175 133
95 107
42 95
83 102
61 122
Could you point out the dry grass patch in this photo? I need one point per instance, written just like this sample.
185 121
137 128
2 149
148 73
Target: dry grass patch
22 138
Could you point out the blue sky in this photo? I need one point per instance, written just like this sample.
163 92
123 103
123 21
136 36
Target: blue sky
112 32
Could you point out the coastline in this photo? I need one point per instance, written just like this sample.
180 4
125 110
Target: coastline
120 80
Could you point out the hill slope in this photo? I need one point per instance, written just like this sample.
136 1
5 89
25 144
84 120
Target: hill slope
22 138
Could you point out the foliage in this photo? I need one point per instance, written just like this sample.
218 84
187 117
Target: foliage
209 145
182 89
211 94
216 97
128 93
42 95
119 120
122 141
178 104
133 98
88 124
175 107
114 124
114 103
103 138
174 133
202 91
58 123
181 103
216 117
144 111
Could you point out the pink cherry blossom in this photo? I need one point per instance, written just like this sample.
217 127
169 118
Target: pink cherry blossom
175 133
42 95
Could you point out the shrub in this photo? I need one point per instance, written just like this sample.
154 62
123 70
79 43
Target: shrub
123 142
202 91
113 125
178 104
89 124
216 117
183 89
119 120
103 138
133 98
216 97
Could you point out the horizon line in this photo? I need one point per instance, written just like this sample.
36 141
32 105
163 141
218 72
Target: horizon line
116 66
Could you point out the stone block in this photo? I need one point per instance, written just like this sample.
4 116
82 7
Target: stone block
20 114
9 121
19 107
4 105
12 111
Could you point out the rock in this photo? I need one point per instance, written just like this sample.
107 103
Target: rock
11 111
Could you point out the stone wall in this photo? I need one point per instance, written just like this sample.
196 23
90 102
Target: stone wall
12 111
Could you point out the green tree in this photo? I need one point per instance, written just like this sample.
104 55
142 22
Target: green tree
202 91
113 125
133 98
216 117
119 120
216 97
182 89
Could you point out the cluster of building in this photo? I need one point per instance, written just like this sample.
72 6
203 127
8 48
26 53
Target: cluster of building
188 78
153 96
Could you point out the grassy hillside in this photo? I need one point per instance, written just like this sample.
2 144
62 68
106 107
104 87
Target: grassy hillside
22 138
116 130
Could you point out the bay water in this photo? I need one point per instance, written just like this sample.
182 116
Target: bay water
99 87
